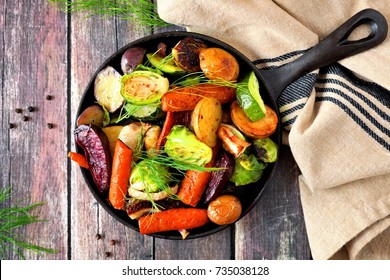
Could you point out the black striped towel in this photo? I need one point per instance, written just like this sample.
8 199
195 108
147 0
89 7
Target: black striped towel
338 117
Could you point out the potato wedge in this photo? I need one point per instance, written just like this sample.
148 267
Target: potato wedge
107 89
205 120
133 135
262 128
151 138
92 115
112 133
217 63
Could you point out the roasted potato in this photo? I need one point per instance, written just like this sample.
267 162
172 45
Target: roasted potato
218 64
262 128
225 209
94 114
205 120
112 133
131 58
186 53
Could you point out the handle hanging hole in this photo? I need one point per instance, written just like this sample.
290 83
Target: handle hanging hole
361 31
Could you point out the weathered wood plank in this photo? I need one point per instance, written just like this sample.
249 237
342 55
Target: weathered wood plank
213 247
93 41
275 228
34 61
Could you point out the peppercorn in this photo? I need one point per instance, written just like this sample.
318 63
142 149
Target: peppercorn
107 254
50 125
18 110
11 125
30 109
49 97
98 236
25 118
112 242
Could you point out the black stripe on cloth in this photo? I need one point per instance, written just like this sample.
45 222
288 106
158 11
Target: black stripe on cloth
357 94
290 121
298 89
375 90
292 109
279 58
358 120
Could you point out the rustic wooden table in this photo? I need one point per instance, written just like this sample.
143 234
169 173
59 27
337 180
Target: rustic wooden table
45 52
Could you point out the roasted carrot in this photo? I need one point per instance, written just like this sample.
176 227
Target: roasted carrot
79 159
186 98
193 186
173 219
195 183
121 168
171 119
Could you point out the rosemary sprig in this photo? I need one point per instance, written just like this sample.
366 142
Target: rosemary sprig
12 218
140 12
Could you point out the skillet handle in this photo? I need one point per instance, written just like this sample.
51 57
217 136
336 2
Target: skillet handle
334 47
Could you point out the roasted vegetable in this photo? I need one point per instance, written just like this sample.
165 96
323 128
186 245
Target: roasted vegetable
143 87
247 170
205 120
262 128
120 174
232 139
219 178
79 159
183 145
153 196
95 144
266 149
173 219
249 99
93 114
149 176
150 112
186 98
218 64
112 133
131 58
186 53
107 89
224 210
165 65
138 208
151 138
133 136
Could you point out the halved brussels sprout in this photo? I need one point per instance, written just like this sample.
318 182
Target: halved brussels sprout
266 149
143 87
183 145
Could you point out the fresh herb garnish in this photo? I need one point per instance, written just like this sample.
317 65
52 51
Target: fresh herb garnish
12 218
140 12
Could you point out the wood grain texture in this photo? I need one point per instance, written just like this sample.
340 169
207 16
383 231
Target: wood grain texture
275 228
93 41
35 66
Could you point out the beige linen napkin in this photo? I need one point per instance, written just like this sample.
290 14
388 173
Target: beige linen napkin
338 117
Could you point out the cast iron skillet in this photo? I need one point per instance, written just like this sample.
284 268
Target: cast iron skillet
335 47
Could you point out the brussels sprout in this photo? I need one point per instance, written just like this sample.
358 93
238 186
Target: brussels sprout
247 170
266 149
183 145
143 87
149 176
